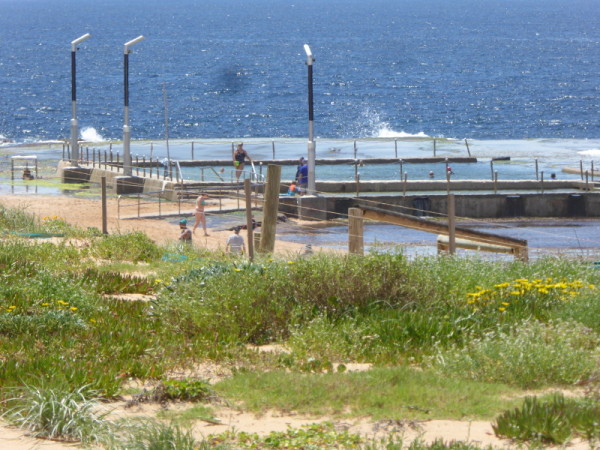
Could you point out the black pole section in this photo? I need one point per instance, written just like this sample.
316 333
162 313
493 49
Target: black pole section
126 79
310 93
73 78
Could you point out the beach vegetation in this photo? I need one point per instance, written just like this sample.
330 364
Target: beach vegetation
57 414
447 337
554 420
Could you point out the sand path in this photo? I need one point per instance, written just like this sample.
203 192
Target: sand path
86 213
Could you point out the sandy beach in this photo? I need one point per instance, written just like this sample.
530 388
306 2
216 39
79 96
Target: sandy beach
86 213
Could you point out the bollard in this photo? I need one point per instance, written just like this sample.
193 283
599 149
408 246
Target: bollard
587 185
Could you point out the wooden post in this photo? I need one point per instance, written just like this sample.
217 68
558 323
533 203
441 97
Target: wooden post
451 224
355 231
271 206
104 218
250 240
468 149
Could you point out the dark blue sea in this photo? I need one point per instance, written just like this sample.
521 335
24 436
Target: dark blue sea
230 69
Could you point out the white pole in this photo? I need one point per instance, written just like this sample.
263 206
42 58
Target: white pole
74 124
126 129
311 143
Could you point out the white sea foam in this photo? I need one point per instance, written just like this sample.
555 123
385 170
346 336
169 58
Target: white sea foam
89 134
591 152
386 132
376 127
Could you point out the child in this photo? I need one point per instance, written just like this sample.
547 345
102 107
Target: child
235 243
186 233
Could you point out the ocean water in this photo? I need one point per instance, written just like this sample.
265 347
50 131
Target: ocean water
227 69
517 78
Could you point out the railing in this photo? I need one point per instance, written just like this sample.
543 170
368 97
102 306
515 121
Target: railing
156 204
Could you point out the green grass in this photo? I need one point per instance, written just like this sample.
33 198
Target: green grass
57 414
439 353
398 392
550 421
531 354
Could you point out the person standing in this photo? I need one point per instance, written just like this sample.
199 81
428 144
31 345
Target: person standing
301 162
235 243
239 160
303 177
199 213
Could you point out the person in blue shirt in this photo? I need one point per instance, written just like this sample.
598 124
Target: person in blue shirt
303 177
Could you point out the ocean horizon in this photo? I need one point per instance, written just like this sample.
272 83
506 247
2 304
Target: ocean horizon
483 70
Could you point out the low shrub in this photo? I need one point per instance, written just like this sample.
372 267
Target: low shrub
135 247
530 354
154 435
552 421
58 414
116 283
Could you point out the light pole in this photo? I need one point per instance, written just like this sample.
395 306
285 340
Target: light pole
126 130
74 125
311 143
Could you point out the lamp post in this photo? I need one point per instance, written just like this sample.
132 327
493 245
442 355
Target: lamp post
126 130
74 124
311 143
